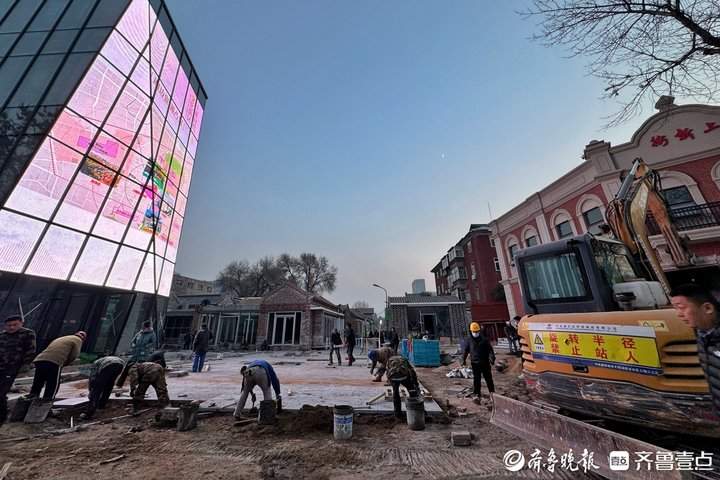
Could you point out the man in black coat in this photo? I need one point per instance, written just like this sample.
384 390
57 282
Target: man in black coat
482 357
17 350
335 343
350 344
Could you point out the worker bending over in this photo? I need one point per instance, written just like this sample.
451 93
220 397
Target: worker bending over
143 375
258 373
400 372
103 373
380 356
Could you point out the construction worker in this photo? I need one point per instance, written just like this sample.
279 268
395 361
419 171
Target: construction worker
258 373
697 307
103 373
482 356
49 364
400 372
17 350
335 344
143 375
381 356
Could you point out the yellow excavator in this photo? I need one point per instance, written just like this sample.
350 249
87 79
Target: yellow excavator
601 339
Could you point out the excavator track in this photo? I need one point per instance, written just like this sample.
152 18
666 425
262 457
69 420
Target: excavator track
547 427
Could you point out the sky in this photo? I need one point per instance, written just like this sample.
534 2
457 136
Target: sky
373 132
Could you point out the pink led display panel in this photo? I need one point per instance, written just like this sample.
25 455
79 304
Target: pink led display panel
103 199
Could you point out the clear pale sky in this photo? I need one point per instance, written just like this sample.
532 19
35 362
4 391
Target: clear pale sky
373 132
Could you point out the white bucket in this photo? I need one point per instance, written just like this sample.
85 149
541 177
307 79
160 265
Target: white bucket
343 415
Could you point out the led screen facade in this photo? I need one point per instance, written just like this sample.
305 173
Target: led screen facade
103 199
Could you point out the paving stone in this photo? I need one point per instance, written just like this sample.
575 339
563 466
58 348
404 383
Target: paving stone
461 438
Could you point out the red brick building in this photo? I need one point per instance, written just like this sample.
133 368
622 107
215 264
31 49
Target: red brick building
471 272
681 142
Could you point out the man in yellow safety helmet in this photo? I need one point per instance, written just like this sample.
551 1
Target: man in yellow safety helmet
482 357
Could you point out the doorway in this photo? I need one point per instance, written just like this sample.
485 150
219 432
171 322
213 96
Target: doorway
428 323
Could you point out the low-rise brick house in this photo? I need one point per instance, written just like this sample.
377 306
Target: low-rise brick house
292 318
440 315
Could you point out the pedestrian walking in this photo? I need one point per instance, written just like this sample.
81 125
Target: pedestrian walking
17 350
394 340
350 344
335 344
201 344
103 373
187 340
482 356
512 335
49 364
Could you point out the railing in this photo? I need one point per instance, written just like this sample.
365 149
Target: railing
690 218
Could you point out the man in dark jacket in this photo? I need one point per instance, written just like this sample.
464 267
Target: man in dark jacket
200 348
381 356
394 340
143 344
482 356
17 350
512 335
400 372
103 373
350 344
335 344
697 307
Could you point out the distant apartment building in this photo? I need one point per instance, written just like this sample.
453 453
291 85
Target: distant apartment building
418 286
682 143
470 271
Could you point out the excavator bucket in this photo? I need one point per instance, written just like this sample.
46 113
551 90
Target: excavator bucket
547 429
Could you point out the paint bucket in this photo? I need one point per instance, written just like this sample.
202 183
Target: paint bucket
266 412
343 415
415 408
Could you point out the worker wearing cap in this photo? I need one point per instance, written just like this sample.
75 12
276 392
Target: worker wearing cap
258 373
143 375
49 364
400 372
482 356
380 356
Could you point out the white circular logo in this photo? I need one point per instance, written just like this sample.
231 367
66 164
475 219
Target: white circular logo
514 460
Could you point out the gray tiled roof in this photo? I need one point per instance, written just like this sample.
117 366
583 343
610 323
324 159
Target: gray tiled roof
441 299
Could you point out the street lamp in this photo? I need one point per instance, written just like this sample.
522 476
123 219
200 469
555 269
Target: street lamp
387 309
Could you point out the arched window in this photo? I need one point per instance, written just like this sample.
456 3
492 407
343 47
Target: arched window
563 224
530 236
512 247
680 190
591 212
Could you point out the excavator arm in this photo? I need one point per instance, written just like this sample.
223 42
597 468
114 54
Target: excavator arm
626 214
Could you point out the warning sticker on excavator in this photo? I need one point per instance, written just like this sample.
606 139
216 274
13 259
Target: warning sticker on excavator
657 325
628 348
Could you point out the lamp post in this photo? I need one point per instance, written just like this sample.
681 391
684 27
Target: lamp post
387 308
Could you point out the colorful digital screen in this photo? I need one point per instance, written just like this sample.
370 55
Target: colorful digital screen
102 201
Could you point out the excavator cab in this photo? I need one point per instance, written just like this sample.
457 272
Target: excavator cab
584 274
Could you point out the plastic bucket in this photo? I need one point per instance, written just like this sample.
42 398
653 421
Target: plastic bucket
343 415
415 413
266 412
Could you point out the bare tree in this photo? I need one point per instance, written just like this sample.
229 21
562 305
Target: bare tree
308 271
641 49
234 277
361 304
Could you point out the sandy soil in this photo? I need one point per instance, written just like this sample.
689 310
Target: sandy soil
301 446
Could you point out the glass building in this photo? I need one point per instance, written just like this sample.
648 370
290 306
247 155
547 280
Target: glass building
100 115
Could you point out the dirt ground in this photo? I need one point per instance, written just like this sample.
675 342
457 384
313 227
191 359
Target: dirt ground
301 446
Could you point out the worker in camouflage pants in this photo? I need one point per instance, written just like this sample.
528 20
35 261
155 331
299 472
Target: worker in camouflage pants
144 374
400 372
